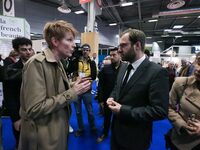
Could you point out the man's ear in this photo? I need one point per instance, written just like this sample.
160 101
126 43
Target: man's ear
138 45
54 42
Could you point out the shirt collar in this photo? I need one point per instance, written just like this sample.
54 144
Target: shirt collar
137 63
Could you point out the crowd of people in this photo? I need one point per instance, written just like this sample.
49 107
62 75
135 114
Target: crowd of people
132 92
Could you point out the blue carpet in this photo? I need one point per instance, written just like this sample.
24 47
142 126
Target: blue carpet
88 141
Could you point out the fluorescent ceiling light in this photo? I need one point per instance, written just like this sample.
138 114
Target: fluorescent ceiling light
149 37
159 41
164 35
178 26
112 24
79 12
154 20
178 36
198 17
168 30
64 9
185 40
124 4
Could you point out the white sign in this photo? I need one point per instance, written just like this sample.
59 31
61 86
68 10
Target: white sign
8 8
11 27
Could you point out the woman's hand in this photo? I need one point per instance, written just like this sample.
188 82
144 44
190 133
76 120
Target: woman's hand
193 127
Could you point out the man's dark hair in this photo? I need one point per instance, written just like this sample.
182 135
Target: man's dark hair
114 49
86 46
135 36
20 41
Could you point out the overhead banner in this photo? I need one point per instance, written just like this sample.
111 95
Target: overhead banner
84 1
11 27
8 8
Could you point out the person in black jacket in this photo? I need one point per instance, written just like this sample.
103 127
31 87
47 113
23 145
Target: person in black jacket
13 80
140 95
86 68
107 77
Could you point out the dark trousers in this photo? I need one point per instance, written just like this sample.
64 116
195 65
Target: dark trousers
87 99
115 145
107 119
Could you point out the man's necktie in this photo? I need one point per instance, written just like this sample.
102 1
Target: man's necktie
129 68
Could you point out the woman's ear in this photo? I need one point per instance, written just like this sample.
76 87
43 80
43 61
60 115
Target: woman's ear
54 42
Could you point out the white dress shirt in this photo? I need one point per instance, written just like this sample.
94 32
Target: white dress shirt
135 65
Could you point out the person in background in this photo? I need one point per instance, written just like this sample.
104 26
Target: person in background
86 68
192 66
140 95
46 93
13 80
107 77
94 58
12 58
172 74
183 72
184 112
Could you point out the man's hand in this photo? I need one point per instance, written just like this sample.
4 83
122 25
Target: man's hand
114 106
82 85
17 125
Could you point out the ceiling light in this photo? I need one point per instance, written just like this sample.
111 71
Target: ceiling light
79 12
159 41
178 26
149 37
112 24
124 4
198 17
167 30
178 36
64 8
185 40
154 20
164 35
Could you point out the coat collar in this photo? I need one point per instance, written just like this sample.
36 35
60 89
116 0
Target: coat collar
49 55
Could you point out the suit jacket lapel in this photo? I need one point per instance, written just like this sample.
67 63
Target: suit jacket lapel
134 77
122 72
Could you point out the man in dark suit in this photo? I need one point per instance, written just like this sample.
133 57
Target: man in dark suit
140 95
13 80
107 77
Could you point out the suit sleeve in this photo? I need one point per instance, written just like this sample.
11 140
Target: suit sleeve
174 117
158 101
33 93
